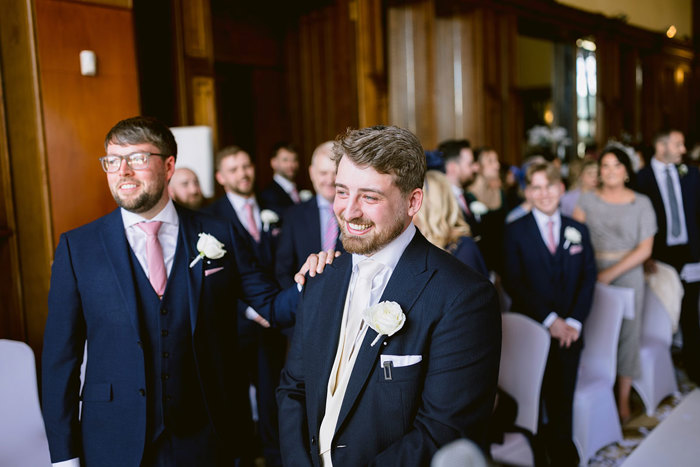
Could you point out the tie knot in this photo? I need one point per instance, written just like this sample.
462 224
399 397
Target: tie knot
368 268
151 228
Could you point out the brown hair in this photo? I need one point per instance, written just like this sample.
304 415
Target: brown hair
388 150
228 151
550 170
142 130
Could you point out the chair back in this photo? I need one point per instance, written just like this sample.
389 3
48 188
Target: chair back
601 332
22 434
524 351
656 323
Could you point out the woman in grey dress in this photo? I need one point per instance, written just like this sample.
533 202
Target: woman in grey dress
622 224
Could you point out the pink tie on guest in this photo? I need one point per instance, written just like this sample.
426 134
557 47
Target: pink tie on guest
550 237
330 233
463 204
294 194
154 256
250 219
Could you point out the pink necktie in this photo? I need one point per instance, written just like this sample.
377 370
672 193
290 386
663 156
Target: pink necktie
154 256
464 205
330 234
550 237
250 218
294 194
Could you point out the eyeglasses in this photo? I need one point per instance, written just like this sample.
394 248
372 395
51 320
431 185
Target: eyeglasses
137 161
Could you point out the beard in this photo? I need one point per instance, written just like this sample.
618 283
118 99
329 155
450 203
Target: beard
144 201
240 191
371 243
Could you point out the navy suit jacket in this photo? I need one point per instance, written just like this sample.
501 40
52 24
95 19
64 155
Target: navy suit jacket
452 321
92 297
690 191
274 197
301 236
539 282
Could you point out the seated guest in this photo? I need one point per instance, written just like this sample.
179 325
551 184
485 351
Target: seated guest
261 350
550 274
524 207
460 169
622 224
310 226
486 200
440 221
585 179
282 192
184 189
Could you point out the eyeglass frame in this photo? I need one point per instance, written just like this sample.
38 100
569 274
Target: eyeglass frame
127 158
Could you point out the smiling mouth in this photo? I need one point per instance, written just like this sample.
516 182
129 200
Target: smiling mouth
127 186
358 229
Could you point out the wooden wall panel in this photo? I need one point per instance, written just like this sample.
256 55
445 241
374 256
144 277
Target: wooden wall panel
79 110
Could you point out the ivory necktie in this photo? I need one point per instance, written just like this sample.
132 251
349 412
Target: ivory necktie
673 204
294 194
330 233
550 237
250 219
359 301
154 256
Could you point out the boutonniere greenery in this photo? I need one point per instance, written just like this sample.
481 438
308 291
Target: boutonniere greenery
682 170
572 236
478 209
268 217
385 318
208 247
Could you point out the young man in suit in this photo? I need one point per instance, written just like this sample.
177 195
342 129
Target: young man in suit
460 170
151 288
310 226
674 190
550 274
391 384
282 192
263 348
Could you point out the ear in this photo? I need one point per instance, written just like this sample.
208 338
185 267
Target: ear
169 167
415 200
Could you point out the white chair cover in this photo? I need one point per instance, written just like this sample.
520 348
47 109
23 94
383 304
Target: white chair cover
22 436
524 351
595 422
658 378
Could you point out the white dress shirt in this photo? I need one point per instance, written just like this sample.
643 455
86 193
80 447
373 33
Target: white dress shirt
388 256
659 169
542 220
167 236
287 185
238 202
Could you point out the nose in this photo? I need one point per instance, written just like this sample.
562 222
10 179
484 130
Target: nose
125 168
352 208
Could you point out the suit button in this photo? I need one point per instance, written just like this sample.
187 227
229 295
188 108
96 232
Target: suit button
313 440
164 333
166 354
163 311
142 392
168 398
165 376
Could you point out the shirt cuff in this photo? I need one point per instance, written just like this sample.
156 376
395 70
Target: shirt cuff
250 313
69 463
549 319
574 323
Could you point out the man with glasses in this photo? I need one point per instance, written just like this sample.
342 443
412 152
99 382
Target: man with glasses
152 289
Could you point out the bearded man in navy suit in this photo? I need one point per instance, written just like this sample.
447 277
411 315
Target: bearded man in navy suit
396 346
151 288
550 275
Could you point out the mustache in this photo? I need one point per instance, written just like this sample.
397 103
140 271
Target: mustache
357 220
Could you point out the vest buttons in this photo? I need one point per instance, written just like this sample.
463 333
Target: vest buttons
163 311
166 354
165 376
313 440
142 392
164 332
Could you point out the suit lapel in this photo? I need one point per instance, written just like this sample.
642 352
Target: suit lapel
188 235
313 223
117 253
533 231
407 282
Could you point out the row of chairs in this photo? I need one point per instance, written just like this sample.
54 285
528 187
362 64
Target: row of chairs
596 424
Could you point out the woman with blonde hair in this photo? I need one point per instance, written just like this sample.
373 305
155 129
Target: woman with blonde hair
440 220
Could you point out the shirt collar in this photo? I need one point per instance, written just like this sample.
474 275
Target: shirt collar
456 190
167 215
543 218
389 255
660 167
239 201
286 185
323 203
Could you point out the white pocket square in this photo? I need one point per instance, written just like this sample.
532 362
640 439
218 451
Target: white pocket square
211 271
400 360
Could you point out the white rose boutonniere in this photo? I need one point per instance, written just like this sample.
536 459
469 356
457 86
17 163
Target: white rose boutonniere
208 247
478 209
268 217
305 195
385 318
682 170
572 236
